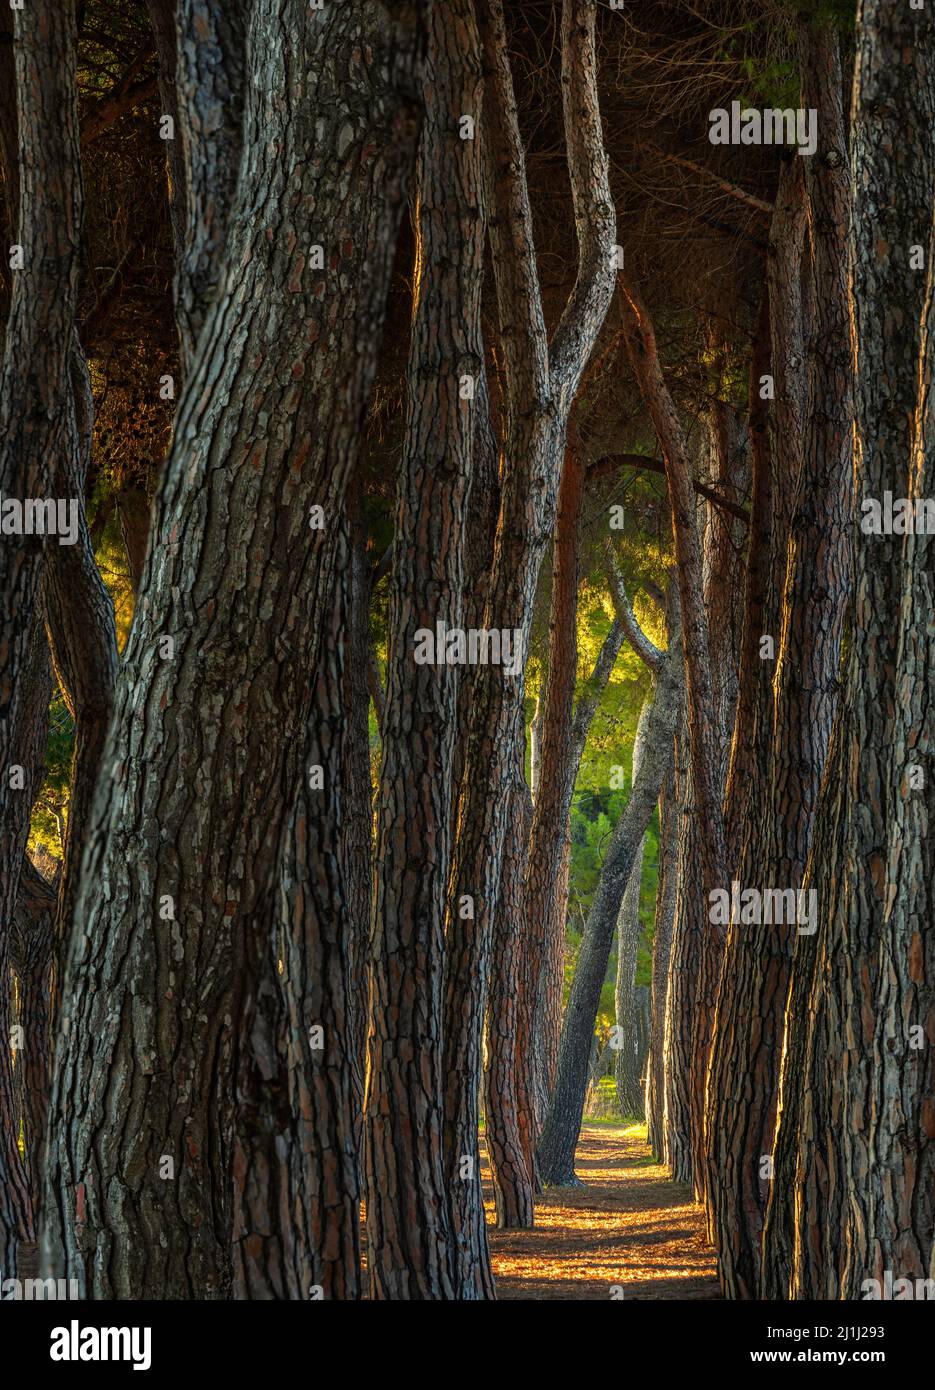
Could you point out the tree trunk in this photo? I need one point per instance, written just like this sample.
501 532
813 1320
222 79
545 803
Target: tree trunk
35 396
79 614
411 1259
547 863
748 1036
629 934
183 850
541 382
855 1132
659 987
563 1124
512 1173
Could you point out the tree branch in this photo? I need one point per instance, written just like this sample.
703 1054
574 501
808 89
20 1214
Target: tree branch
644 462
645 649
733 189
595 218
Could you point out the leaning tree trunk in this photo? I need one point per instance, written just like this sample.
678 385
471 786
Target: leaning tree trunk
79 614
183 850
563 1125
35 395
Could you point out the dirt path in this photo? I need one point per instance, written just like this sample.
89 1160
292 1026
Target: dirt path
630 1226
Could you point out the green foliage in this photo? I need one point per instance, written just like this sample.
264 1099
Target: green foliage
49 812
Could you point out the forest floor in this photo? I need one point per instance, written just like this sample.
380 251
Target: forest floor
628 1226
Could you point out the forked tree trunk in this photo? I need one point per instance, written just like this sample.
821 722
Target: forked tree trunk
541 381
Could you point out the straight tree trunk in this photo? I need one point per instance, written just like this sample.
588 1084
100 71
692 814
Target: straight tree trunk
629 933
861 1072
512 1172
411 1258
748 1034
659 987
35 396
547 862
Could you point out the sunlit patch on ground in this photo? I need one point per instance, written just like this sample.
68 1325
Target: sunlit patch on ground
629 1226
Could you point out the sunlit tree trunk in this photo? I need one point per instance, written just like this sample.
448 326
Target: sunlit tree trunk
512 1172
748 1036
855 1134
563 1124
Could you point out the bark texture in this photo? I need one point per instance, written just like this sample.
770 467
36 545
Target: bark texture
409 1256
198 774
540 384
743 1080
856 1134
35 396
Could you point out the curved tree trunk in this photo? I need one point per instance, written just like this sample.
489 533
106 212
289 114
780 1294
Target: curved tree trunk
541 381
183 850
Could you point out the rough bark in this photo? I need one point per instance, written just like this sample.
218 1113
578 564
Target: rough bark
744 1075
512 1173
357 803
411 1259
296 1190
35 395
198 772
209 91
32 941
79 615
856 1137
540 385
